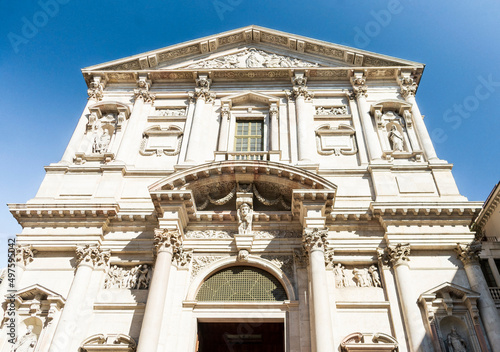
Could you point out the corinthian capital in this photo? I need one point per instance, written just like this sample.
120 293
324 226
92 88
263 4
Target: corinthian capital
407 84
142 90
92 255
167 239
399 254
299 88
96 88
24 254
314 239
358 82
469 253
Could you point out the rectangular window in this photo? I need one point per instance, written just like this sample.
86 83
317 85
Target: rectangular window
488 274
249 138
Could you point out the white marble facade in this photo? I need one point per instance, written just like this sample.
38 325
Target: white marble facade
341 199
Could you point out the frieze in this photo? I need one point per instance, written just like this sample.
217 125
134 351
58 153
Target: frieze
320 49
372 61
277 234
180 52
172 112
274 39
120 76
329 73
210 234
162 76
250 74
331 110
234 38
131 65
134 278
356 276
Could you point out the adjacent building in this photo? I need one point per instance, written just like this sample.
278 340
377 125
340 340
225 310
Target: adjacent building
252 190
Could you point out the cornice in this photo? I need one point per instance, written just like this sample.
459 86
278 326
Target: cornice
390 209
253 34
489 206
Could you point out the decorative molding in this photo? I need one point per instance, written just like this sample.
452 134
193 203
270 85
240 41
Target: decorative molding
199 262
399 254
369 342
171 112
277 234
299 88
336 141
109 342
469 253
135 278
252 58
161 141
24 254
202 89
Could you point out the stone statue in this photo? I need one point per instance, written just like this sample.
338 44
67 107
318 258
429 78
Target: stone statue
142 274
245 217
27 342
455 342
359 277
375 276
101 144
340 275
396 139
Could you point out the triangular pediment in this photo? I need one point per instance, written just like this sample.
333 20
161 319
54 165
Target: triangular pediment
252 47
34 291
447 288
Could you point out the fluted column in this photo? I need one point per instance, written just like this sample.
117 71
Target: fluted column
469 255
359 88
305 120
167 244
314 242
202 94
87 257
408 90
399 257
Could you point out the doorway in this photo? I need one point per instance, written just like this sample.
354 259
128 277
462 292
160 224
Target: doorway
240 337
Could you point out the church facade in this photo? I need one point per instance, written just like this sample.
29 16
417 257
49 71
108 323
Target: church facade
250 191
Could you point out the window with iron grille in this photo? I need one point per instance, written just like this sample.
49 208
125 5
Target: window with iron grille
242 283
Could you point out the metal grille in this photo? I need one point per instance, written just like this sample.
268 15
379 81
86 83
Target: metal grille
241 283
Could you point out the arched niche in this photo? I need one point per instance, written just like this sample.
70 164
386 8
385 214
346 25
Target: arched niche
252 261
269 182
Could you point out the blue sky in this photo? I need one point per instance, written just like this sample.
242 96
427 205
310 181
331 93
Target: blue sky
43 46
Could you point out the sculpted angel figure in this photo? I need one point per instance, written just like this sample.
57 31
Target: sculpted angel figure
245 217
396 139
27 342
456 342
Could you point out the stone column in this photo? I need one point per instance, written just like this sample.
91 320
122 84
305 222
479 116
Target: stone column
305 120
225 115
399 257
408 90
87 257
469 255
314 242
202 95
167 245
359 89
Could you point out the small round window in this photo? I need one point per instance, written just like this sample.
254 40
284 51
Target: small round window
241 283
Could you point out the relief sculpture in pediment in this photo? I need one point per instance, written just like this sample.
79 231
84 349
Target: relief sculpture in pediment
253 58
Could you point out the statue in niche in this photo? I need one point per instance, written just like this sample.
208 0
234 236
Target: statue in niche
101 143
455 342
375 276
27 342
245 217
396 139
